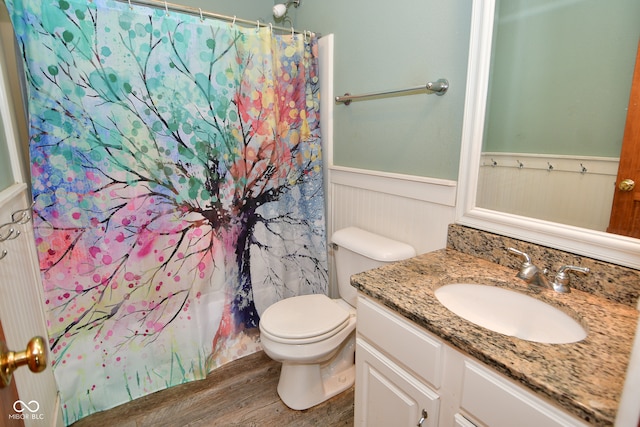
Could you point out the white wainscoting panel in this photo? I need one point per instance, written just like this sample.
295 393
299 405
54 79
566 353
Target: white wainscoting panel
22 310
413 210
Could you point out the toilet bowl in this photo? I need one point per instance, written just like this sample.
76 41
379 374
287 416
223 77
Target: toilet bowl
312 370
313 336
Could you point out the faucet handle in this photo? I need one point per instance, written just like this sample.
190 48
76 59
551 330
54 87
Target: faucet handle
527 258
561 282
527 270
565 268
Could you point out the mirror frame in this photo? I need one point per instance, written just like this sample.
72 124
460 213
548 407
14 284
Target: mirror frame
599 245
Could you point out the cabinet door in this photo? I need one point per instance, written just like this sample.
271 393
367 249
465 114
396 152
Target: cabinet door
386 395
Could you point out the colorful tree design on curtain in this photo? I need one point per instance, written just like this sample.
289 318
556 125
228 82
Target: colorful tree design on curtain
176 175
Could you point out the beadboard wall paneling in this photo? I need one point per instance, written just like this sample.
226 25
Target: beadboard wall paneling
413 210
21 308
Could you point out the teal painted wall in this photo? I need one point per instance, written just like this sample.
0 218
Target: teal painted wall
381 46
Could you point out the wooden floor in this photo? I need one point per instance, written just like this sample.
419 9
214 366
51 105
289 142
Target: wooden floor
241 393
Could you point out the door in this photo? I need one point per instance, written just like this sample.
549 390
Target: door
21 302
625 212
8 397
21 311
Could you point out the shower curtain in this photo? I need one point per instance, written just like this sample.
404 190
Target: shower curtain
177 183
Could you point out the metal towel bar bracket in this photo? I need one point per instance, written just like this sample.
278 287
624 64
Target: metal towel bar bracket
438 87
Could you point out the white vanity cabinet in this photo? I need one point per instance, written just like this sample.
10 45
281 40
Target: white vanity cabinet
406 375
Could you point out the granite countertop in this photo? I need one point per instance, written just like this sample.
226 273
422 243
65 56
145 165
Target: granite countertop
585 378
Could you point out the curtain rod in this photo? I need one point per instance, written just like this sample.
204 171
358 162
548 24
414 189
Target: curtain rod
199 12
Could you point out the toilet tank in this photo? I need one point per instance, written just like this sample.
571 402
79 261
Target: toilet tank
359 250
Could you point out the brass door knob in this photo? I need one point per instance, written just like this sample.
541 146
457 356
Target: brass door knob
35 356
626 185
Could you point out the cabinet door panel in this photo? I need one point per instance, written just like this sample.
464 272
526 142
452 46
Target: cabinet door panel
387 395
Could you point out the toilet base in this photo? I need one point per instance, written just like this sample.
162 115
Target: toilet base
302 386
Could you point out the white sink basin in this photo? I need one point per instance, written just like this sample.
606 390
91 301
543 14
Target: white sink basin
510 313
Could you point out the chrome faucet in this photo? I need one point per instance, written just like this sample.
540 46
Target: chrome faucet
561 282
529 272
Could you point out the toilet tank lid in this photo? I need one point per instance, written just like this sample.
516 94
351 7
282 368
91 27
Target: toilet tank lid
372 245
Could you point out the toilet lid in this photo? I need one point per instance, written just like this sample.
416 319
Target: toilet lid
303 317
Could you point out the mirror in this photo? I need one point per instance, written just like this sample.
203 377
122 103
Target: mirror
558 96
545 231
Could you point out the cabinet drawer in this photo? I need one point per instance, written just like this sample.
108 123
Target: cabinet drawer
496 402
401 340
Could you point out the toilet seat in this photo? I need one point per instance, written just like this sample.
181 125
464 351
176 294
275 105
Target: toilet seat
303 319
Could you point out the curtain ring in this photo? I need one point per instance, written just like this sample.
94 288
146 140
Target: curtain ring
258 25
166 8
233 24
292 32
304 36
201 18
3 254
270 28
130 8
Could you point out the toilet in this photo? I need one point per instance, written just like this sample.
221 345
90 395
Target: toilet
313 336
